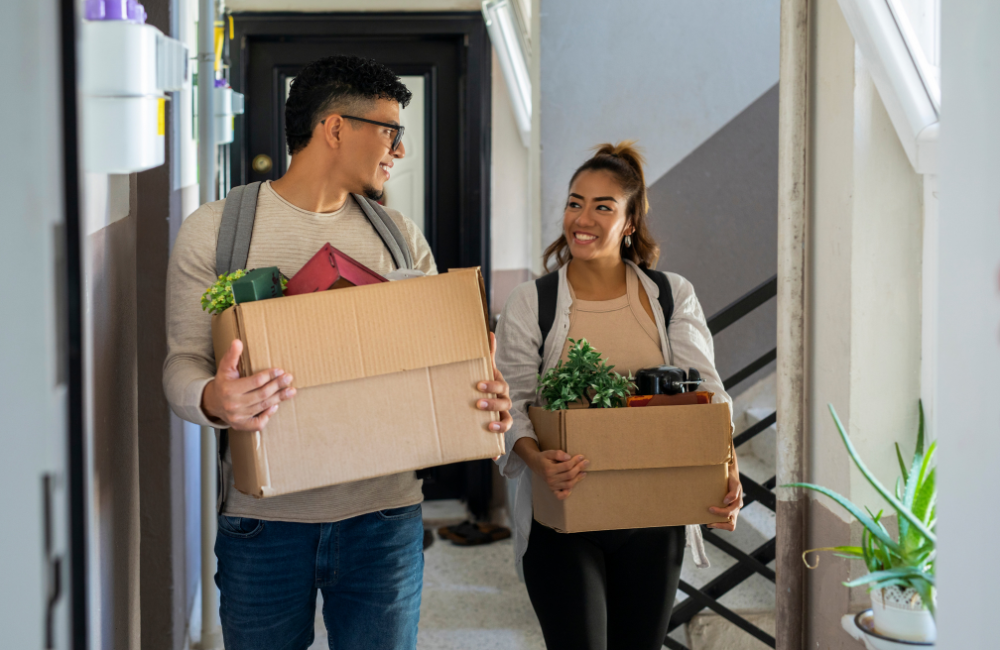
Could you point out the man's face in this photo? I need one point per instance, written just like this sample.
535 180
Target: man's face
368 150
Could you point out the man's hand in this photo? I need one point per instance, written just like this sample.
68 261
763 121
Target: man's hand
244 403
500 388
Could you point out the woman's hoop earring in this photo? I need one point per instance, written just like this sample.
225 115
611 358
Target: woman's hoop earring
628 241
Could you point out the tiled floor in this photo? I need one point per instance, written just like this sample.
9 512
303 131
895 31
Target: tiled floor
472 600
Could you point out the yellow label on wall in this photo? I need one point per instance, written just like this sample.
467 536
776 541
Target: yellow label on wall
161 116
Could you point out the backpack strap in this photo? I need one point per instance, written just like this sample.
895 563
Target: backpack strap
231 253
387 230
548 292
666 299
236 229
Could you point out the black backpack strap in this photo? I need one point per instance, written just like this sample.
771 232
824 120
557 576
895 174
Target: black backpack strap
387 230
666 301
231 253
548 293
236 229
666 293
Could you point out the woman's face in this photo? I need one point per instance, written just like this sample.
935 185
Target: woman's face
594 221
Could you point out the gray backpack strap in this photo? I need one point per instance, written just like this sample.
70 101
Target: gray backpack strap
231 253
387 230
236 228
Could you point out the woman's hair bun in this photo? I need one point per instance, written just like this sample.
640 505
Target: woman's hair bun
629 153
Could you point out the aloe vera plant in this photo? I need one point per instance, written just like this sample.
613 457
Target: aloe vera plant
909 560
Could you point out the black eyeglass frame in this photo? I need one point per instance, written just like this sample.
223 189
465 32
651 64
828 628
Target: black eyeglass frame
399 128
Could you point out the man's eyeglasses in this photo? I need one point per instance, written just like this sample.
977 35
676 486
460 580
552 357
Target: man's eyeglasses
397 127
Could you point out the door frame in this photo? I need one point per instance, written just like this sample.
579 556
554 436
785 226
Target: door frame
474 158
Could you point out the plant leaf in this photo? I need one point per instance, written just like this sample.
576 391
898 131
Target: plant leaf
897 572
922 503
875 529
902 510
920 428
902 465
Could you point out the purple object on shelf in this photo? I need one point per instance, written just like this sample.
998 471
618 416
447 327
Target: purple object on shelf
127 10
94 10
221 83
135 11
115 10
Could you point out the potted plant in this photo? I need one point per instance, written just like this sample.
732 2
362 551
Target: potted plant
584 376
900 575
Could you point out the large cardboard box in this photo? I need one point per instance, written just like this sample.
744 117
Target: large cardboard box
650 466
386 379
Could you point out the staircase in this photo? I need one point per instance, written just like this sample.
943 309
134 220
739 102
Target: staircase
731 604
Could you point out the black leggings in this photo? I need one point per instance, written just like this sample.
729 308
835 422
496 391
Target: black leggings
605 590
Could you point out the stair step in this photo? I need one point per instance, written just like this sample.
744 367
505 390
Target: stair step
712 632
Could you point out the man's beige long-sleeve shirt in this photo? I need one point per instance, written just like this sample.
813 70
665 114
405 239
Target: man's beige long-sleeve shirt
287 237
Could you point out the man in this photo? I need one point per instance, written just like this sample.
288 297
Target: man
360 543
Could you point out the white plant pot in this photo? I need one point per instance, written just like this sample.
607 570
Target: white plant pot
900 614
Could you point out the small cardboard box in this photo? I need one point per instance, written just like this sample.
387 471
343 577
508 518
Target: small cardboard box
386 379
651 466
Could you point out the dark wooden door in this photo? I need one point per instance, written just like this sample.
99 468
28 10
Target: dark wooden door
451 51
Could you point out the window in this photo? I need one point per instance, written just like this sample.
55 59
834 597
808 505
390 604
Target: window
919 22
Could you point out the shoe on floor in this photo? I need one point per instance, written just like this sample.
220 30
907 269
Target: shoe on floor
470 533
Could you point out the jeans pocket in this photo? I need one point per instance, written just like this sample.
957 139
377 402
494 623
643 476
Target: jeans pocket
240 527
398 514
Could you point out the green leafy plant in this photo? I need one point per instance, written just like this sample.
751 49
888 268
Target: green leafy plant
909 560
219 297
584 376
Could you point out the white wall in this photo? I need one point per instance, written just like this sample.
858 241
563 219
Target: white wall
669 74
968 342
510 229
863 307
865 282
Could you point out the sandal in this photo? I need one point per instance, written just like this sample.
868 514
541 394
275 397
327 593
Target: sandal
469 533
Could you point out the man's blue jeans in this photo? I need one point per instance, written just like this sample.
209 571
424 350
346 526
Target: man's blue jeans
369 568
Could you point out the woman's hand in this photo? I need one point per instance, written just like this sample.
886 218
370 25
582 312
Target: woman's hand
499 388
733 500
560 470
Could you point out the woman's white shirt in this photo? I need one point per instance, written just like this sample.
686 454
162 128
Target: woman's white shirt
686 343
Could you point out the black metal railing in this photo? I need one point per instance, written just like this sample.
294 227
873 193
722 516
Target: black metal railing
756 561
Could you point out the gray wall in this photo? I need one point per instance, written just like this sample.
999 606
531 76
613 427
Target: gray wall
114 400
695 84
715 218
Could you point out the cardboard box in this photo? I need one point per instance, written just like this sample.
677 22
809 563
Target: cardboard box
386 379
650 466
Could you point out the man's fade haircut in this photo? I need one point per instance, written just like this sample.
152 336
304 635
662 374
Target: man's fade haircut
346 84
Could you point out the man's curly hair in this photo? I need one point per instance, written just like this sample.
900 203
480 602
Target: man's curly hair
347 84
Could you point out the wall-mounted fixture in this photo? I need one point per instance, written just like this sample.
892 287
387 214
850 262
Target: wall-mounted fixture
126 67
507 34
228 104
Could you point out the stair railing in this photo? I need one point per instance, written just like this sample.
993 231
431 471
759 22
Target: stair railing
756 561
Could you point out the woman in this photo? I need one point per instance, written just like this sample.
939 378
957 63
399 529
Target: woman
607 589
